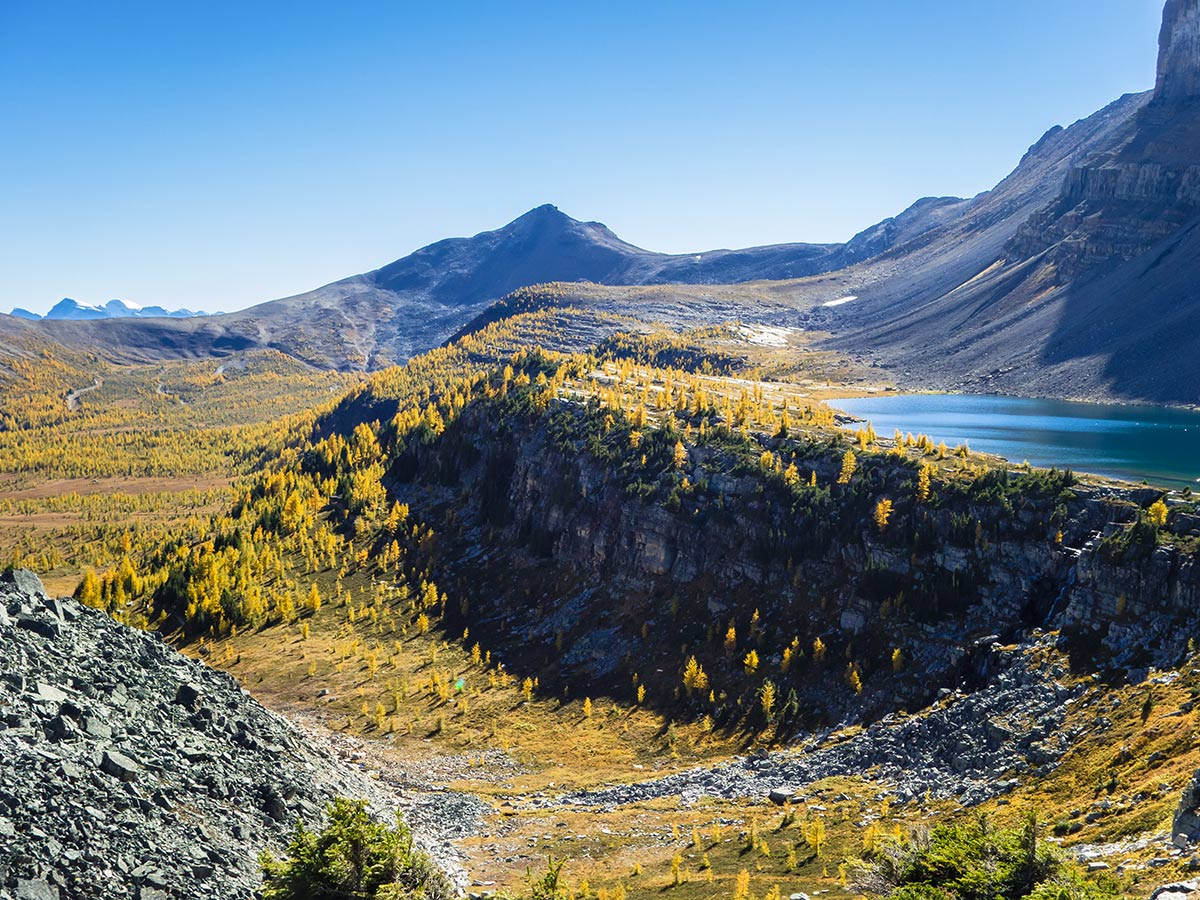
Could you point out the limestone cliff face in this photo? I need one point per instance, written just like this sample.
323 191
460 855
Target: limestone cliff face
1110 211
1076 276
1179 52
1142 189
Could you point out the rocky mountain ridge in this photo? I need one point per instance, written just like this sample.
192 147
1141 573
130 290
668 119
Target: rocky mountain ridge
72 310
386 316
1092 293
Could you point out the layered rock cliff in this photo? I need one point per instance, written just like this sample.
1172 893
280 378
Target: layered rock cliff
1142 188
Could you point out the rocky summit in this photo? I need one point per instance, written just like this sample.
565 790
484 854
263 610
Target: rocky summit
1179 51
128 770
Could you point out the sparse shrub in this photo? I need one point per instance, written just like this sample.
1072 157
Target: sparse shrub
883 512
853 678
924 480
353 856
766 699
975 861
694 677
750 663
741 890
550 886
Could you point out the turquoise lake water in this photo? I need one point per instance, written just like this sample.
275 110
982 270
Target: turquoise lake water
1156 444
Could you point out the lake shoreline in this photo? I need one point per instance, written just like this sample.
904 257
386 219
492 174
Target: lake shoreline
1128 443
851 393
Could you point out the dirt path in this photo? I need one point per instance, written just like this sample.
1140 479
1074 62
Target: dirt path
161 390
73 397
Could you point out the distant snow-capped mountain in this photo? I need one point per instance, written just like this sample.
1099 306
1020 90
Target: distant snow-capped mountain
113 309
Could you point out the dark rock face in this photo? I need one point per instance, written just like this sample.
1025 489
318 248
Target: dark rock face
616 577
1187 815
532 513
129 770
1179 52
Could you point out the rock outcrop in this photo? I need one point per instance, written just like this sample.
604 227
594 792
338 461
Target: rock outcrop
1187 814
1180 890
128 770
1179 52
589 575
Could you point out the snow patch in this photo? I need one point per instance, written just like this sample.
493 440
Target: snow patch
841 301
767 335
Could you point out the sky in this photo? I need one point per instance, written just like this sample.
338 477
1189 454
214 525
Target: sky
215 155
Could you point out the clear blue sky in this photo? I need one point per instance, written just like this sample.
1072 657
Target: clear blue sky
219 154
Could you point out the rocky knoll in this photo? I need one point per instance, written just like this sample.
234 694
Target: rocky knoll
130 771
1008 554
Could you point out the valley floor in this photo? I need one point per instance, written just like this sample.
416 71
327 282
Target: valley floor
610 795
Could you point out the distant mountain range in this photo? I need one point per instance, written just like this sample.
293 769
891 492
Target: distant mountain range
72 310
1075 276
386 316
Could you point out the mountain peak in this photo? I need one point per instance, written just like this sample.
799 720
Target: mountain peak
546 210
1179 52
545 216
66 308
